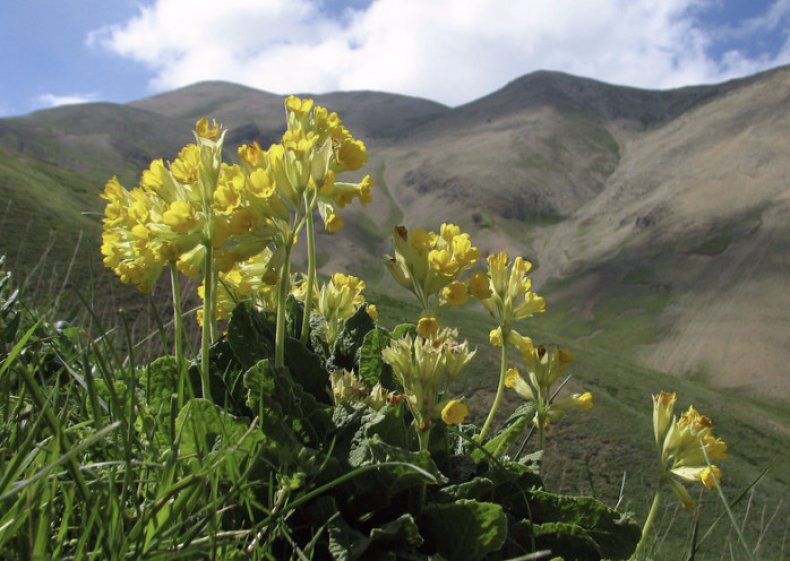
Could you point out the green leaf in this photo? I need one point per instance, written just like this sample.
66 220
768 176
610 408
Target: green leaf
161 382
204 427
345 542
403 329
345 352
509 433
372 368
307 369
250 335
396 533
478 489
276 399
383 484
464 530
349 544
558 521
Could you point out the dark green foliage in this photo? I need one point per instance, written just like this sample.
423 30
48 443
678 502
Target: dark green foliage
274 466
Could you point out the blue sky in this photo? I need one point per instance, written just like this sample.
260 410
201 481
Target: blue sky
66 51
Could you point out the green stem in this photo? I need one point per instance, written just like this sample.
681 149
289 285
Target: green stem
178 330
208 320
283 287
500 390
648 524
423 437
308 299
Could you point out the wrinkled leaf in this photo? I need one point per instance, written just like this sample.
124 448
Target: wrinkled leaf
372 368
464 530
345 352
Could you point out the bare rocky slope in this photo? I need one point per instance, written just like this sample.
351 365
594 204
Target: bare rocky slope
657 219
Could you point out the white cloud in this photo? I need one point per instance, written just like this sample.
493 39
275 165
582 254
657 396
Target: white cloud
448 50
52 100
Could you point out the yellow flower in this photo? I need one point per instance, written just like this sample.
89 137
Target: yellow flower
455 293
582 401
352 154
514 381
365 190
185 167
710 477
454 412
252 154
663 407
427 326
421 240
442 262
495 337
373 312
545 367
181 217
334 222
479 286
297 106
688 447
449 231
522 343
154 177
204 130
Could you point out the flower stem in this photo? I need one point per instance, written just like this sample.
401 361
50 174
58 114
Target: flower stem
208 320
308 299
283 287
178 330
648 524
423 437
500 390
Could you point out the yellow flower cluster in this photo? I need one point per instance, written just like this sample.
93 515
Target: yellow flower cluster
424 366
338 300
254 279
505 291
304 166
683 444
428 264
179 210
182 209
544 369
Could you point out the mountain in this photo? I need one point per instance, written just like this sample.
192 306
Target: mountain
655 218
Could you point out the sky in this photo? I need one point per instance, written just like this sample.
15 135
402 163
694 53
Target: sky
55 52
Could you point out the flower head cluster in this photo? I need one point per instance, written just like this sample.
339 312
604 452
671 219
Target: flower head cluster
686 445
505 291
544 369
243 216
338 300
164 219
425 366
346 387
303 167
254 279
429 264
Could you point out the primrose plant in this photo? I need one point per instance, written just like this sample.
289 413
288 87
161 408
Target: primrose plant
344 409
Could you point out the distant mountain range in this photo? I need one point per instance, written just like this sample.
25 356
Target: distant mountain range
658 220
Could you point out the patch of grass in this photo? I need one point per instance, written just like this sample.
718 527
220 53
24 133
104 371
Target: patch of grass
714 245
